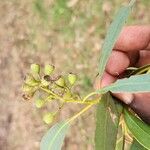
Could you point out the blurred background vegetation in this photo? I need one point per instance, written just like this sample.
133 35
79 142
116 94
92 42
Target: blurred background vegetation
66 33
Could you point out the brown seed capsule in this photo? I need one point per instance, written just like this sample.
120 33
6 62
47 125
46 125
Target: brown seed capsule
27 97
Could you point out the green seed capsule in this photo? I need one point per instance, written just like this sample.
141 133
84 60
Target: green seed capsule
67 95
48 69
44 82
39 103
31 81
48 118
72 78
27 88
35 68
60 81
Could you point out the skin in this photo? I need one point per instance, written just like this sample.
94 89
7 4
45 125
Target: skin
131 49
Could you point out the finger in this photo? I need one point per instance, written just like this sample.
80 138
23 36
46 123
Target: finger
113 68
128 41
137 103
133 57
144 58
148 47
127 98
117 63
106 80
141 106
133 38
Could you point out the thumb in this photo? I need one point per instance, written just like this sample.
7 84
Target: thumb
139 103
127 98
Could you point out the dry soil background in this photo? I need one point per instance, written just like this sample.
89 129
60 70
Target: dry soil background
67 33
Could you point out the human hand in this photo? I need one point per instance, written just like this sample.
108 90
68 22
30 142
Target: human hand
131 49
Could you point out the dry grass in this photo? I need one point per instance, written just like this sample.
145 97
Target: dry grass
68 36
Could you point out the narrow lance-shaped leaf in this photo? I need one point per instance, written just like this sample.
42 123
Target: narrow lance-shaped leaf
108 113
120 139
112 35
139 129
53 139
136 146
137 83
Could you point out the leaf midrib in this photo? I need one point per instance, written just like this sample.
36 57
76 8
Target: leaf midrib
54 138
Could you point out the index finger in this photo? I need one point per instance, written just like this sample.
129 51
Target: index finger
126 51
133 38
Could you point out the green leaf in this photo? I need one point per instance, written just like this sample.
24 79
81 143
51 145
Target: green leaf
137 83
136 146
108 113
120 139
112 35
139 129
53 139
140 70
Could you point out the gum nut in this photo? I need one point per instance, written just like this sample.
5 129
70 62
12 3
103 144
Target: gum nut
30 80
39 103
27 88
48 69
72 78
67 95
47 78
44 82
60 82
48 118
35 68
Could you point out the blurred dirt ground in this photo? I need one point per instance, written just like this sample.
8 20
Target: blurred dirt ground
66 33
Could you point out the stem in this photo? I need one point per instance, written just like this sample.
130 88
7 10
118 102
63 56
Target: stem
52 93
94 101
49 98
89 95
67 122
148 72
84 101
142 71
79 113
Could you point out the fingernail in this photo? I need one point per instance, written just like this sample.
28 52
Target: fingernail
127 98
106 80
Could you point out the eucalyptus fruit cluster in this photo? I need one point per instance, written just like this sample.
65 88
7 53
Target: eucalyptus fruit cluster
49 87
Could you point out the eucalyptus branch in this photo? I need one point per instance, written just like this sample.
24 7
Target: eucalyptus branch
55 88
